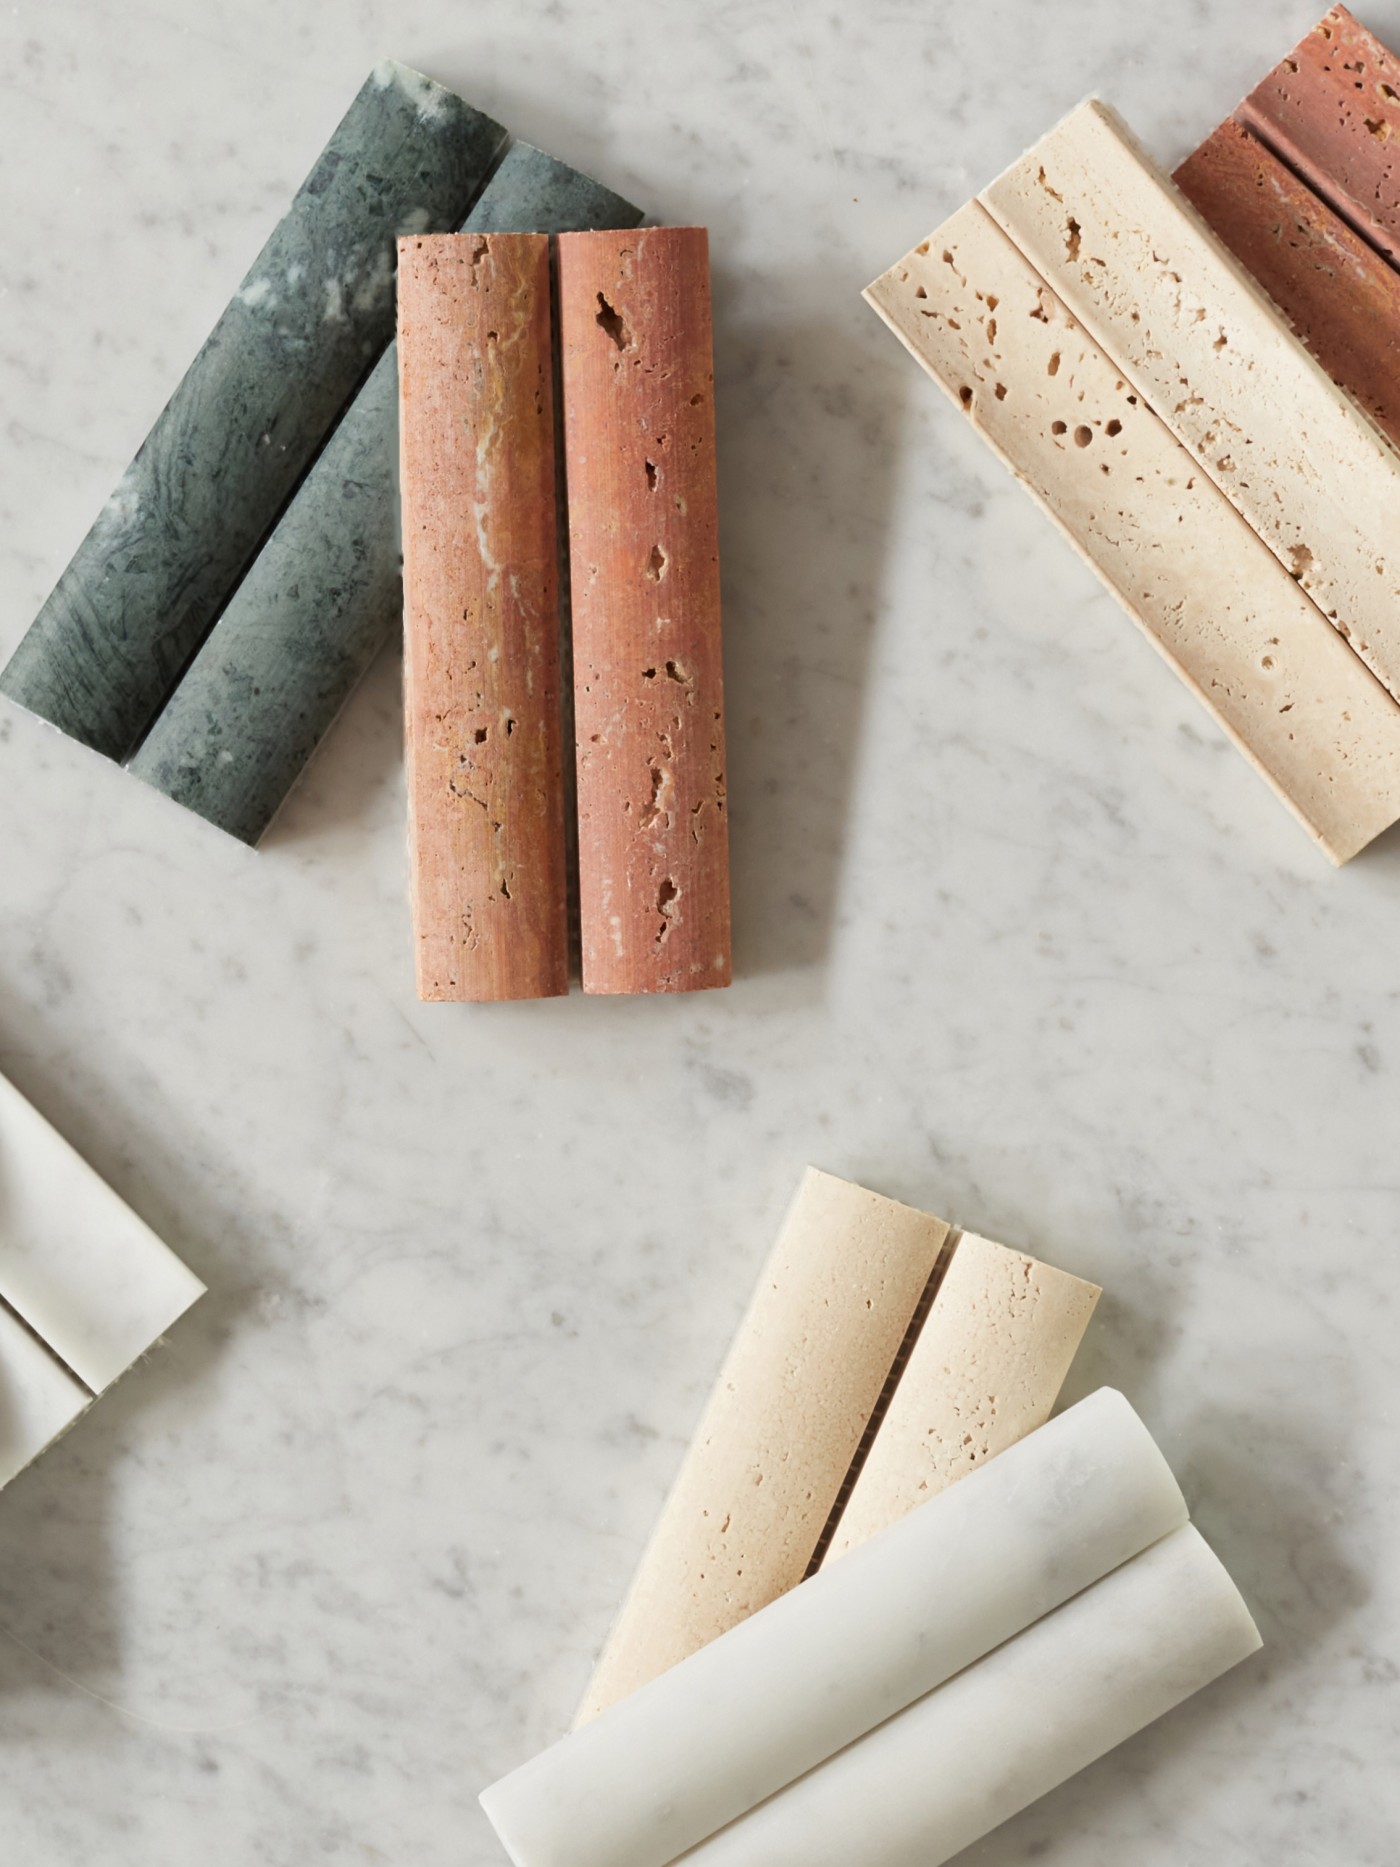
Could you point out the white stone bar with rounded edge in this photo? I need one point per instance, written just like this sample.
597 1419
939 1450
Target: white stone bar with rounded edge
708 1741
89 1277
1020 1722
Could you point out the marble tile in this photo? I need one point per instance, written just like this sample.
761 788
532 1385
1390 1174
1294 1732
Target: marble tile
1017 940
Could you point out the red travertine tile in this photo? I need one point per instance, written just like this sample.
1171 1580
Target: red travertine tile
639 442
481 650
1341 298
1331 111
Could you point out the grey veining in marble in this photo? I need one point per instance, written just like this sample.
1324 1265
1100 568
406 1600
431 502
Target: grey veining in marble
313 312
325 590
1017 939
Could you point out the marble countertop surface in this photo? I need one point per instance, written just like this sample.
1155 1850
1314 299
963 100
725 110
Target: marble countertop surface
1017 938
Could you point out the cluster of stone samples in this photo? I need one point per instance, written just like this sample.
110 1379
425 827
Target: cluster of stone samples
1241 506
325 591
906 1700
883 1358
86 1288
636 434
247 570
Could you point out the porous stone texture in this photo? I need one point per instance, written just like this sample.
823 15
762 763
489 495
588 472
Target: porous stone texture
325 591
314 312
1197 338
639 426
1341 298
1157 530
481 622
771 1453
985 1369
1331 111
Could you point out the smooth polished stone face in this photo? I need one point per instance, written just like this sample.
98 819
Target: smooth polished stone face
313 313
325 591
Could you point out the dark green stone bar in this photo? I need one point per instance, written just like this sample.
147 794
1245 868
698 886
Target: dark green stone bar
312 316
324 593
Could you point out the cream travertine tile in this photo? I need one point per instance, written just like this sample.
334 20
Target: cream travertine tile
985 1369
769 1458
1201 341
1156 529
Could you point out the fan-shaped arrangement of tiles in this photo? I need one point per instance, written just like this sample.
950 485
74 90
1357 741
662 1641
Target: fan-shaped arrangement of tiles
1206 406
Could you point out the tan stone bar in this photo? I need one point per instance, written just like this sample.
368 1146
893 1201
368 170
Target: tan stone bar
481 650
985 1370
772 1452
639 433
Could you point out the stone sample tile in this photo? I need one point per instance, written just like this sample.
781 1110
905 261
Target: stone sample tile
89 1277
312 316
785 1420
1154 527
1341 298
1203 345
483 725
1331 111
39 1398
985 1369
326 591
920 1788
639 427
774 1699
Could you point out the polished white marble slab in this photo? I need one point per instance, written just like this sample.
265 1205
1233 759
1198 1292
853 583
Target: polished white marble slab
1019 939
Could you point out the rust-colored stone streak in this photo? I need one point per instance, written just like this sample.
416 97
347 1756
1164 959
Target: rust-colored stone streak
1331 111
639 443
481 650
1339 295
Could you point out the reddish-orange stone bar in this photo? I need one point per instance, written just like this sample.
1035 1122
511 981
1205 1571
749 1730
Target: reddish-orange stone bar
1331 112
481 648
1340 296
639 446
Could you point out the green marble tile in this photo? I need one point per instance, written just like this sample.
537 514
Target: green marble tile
324 593
314 313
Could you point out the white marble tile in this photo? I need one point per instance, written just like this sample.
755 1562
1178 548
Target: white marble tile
1018 939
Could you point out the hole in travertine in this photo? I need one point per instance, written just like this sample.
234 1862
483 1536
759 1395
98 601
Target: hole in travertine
651 476
965 396
666 897
1072 238
1083 435
919 292
696 400
675 672
1057 427
991 330
480 735
656 564
1052 368
1113 427
609 321
1001 392
1301 560
1267 661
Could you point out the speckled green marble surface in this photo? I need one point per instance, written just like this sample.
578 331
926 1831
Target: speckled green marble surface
324 592
313 314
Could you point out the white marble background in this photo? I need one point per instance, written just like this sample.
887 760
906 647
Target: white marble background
1018 938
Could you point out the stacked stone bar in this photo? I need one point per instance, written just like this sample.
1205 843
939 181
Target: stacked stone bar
1303 185
481 620
325 592
639 439
313 314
